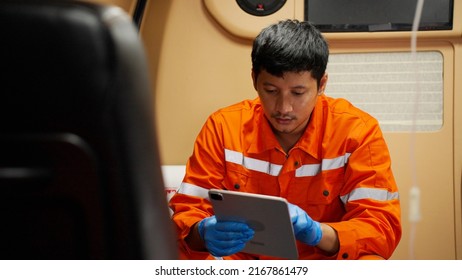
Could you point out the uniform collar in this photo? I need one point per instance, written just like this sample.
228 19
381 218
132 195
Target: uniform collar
311 140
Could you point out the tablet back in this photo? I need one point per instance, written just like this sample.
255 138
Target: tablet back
267 215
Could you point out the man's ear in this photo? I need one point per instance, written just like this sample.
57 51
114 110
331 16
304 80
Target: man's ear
323 83
254 79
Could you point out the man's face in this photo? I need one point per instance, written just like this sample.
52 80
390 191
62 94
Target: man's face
288 100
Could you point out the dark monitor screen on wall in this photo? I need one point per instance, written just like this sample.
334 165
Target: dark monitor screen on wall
377 15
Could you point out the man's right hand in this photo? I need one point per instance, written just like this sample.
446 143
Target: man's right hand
224 238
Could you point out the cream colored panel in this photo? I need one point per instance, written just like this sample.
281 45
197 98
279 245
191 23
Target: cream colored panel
458 147
241 24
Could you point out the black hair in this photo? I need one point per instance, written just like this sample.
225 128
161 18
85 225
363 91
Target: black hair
290 46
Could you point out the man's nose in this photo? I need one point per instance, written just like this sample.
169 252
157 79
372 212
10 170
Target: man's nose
284 104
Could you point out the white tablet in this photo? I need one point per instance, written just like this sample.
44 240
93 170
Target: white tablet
267 215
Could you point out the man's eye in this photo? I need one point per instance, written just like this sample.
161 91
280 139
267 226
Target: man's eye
271 91
298 92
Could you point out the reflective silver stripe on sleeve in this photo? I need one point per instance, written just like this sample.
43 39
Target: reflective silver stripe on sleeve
252 164
193 190
369 193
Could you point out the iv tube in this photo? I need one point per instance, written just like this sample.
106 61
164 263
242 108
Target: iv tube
414 195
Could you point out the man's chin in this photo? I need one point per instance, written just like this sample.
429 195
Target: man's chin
283 129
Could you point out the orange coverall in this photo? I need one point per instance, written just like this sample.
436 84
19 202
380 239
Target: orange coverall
339 172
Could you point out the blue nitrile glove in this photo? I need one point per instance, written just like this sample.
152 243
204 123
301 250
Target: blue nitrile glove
306 229
224 238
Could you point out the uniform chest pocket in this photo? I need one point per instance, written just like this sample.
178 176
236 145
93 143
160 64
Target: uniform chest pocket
238 178
235 179
322 189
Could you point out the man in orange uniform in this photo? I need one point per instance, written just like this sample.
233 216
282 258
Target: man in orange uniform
326 157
